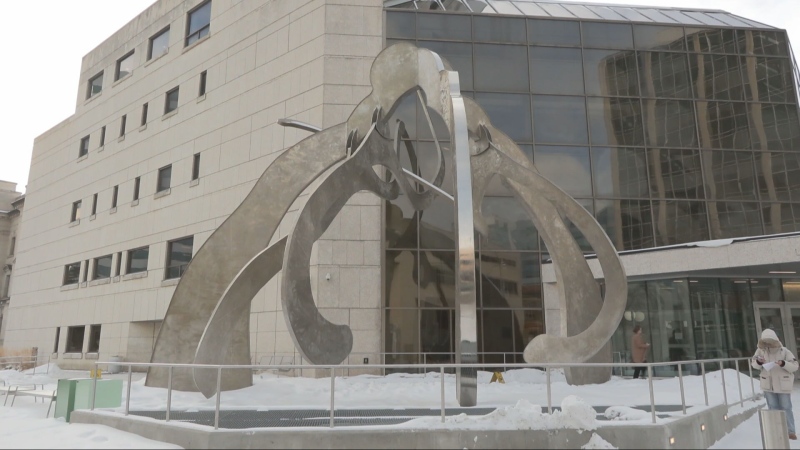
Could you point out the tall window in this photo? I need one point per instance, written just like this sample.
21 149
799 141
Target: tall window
102 267
94 204
124 66
94 339
199 23
159 44
171 101
13 246
144 115
122 124
85 271
58 336
164 178
76 211
179 253
137 260
6 286
136 184
72 273
118 267
114 194
203 77
75 339
95 85
103 136
196 167
84 149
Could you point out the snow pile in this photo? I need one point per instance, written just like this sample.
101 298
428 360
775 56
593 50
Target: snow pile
575 413
597 442
626 413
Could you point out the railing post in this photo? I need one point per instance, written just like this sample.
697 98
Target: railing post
680 380
739 381
705 386
219 394
752 386
724 390
94 385
333 382
169 391
549 393
652 396
128 395
442 377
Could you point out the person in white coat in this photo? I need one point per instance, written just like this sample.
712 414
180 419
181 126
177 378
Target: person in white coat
777 365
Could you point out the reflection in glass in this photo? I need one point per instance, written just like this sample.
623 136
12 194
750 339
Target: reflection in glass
554 32
400 25
437 279
671 328
664 74
740 324
678 222
710 337
514 62
615 121
656 37
436 327
675 173
764 290
503 277
458 54
780 217
756 42
607 35
567 167
499 29
729 175
501 334
734 219
509 112
620 172
444 26
401 224
774 126
717 77
670 123
723 125
779 176
610 72
769 79
791 291
711 40
771 319
559 119
628 223
510 228
436 225
556 70
402 337
401 279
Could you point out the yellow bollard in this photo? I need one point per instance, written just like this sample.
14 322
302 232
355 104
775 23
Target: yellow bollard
96 374
498 377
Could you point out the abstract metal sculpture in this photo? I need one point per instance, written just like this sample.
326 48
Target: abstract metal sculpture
208 317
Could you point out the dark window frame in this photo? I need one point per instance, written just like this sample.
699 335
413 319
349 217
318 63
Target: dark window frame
137 184
96 263
122 124
195 36
159 186
168 266
103 136
203 80
119 66
70 348
75 215
196 167
58 338
65 278
94 204
94 339
129 266
89 90
83 150
144 115
153 38
114 196
176 91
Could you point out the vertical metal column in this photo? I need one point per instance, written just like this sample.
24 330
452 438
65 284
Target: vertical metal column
705 386
466 310
128 397
739 381
442 381
169 392
680 380
549 393
652 396
333 383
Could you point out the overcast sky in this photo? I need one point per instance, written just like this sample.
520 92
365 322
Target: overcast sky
46 39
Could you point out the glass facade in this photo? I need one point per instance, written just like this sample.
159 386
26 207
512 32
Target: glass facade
666 134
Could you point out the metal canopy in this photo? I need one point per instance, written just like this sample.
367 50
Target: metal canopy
585 11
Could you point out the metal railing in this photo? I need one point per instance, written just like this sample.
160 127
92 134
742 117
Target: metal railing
547 368
20 362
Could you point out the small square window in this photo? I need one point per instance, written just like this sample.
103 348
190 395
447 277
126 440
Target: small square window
144 115
72 273
84 149
95 85
171 101
164 178
198 24
203 78
75 339
159 44
76 211
137 260
196 167
94 339
102 267
136 184
123 122
114 194
179 254
124 66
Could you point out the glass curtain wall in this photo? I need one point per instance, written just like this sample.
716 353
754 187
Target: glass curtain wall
666 135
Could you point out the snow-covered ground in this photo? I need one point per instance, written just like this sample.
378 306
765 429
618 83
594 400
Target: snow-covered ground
521 403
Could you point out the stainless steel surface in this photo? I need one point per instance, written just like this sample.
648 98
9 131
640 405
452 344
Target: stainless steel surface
739 382
169 392
683 395
439 190
774 430
705 385
652 394
94 387
549 392
752 384
219 395
333 389
292 123
441 375
724 390
128 395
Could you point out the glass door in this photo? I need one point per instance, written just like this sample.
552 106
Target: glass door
782 318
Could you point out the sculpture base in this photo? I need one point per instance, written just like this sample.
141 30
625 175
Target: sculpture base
579 376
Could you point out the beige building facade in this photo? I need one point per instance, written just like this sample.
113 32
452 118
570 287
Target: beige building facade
11 204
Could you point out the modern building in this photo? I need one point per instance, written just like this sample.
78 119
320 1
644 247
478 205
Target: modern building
678 129
11 204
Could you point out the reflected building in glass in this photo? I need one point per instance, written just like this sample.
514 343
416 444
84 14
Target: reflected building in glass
671 127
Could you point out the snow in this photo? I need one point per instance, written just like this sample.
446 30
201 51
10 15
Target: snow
521 403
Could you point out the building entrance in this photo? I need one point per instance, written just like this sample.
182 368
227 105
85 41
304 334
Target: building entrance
784 319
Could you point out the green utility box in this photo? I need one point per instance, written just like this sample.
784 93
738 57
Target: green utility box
76 393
